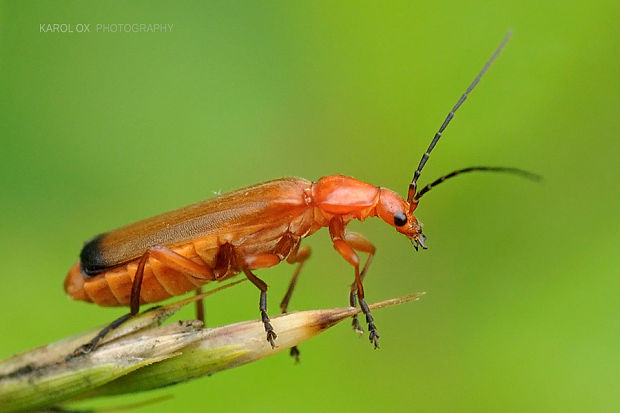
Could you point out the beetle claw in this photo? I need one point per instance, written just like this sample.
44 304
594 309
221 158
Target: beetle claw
295 354
374 337
82 350
271 336
356 325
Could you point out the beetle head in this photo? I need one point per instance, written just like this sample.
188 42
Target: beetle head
397 212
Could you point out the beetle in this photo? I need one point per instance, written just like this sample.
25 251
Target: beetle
253 228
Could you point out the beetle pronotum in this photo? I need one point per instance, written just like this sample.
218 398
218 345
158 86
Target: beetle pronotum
249 229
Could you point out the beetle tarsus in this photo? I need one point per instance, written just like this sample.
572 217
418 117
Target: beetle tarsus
81 350
271 335
92 344
356 325
373 336
354 320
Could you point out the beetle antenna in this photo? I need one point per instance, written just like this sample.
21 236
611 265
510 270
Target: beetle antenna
413 185
514 171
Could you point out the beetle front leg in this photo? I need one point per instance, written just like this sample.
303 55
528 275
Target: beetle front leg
359 243
336 230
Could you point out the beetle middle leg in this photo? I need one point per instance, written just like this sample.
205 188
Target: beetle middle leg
262 286
166 257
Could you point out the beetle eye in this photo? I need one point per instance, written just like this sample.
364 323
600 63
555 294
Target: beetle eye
400 219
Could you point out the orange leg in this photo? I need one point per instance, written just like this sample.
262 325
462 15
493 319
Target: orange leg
362 244
180 263
166 257
345 244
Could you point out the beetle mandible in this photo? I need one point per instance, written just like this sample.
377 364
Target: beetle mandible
249 229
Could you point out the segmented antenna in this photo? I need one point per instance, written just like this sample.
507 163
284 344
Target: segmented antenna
514 171
413 185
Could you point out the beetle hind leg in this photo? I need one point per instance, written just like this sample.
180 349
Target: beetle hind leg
165 256
90 346
136 285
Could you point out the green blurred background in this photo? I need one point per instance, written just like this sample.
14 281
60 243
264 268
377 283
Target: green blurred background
101 129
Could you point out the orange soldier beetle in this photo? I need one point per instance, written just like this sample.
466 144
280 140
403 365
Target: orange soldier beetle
252 228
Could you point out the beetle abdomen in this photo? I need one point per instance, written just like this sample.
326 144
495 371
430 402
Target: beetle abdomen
113 287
